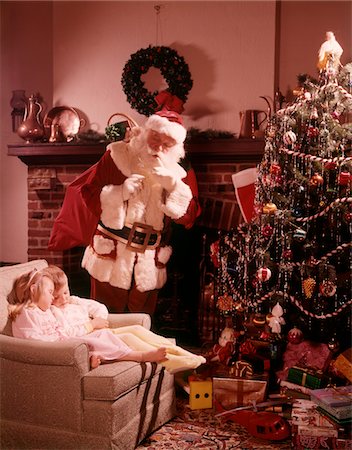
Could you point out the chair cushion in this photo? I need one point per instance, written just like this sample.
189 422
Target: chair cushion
8 275
110 381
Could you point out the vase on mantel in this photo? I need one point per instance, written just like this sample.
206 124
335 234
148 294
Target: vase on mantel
31 129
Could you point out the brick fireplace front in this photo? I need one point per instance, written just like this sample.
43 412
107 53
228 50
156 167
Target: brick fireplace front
51 167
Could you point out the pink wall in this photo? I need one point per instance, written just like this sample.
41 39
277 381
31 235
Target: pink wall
26 63
73 53
303 27
219 41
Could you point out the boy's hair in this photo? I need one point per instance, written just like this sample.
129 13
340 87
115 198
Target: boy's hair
25 291
57 275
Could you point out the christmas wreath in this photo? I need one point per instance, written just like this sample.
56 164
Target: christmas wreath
172 67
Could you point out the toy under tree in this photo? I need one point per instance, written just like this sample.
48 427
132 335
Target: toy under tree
289 268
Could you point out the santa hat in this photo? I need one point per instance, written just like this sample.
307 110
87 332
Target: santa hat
167 122
244 184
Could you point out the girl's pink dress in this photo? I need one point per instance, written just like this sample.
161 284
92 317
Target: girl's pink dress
33 323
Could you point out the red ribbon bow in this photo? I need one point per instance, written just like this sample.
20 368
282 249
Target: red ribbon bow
165 100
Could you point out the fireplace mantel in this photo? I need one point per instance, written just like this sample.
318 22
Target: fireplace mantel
216 150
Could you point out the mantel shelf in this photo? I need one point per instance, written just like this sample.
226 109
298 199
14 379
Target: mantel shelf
217 151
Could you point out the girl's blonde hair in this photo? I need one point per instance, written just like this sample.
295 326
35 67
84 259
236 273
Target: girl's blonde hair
57 275
26 290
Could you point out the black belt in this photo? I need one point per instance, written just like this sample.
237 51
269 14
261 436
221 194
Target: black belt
138 237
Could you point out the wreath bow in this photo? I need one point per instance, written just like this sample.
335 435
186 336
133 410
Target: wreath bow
166 100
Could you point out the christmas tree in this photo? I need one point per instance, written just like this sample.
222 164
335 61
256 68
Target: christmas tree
290 265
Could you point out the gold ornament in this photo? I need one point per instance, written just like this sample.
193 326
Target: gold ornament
269 208
308 287
316 180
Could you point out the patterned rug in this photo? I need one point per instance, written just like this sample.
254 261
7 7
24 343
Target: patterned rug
199 429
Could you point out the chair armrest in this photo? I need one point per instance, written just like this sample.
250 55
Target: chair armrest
63 353
125 319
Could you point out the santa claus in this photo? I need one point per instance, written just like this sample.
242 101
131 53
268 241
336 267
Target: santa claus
129 199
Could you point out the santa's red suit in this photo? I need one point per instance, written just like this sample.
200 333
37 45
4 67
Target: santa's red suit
127 252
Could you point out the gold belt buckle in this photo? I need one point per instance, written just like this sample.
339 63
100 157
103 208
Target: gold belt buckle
141 228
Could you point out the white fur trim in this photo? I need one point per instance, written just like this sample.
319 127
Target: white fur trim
112 206
119 152
102 245
100 268
165 126
245 177
164 253
147 276
177 201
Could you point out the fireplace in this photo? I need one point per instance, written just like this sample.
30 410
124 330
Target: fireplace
51 167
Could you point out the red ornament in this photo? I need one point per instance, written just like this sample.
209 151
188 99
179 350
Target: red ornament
267 230
312 132
287 254
295 336
330 165
348 217
215 254
344 178
264 274
327 288
275 169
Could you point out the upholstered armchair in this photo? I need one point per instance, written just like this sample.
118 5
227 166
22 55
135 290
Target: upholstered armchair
50 399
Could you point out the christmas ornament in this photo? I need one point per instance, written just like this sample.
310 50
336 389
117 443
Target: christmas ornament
327 288
289 137
330 165
215 254
344 178
267 230
308 287
172 67
316 180
287 254
299 234
269 208
312 132
314 114
333 345
348 217
264 274
259 320
276 319
295 336
275 169
297 211
225 303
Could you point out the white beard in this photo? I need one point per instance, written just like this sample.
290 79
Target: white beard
143 157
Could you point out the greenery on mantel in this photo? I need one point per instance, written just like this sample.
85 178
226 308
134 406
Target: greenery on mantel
208 135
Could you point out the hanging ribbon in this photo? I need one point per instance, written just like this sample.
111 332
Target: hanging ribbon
165 100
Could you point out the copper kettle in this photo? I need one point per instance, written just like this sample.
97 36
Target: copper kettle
251 121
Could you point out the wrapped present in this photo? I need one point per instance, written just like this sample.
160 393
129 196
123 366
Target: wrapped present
343 444
343 364
337 401
305 413
242 369
313 379
233 392
305 354
200 393
313 438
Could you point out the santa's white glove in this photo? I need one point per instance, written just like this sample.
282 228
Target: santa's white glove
131 186
165 178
